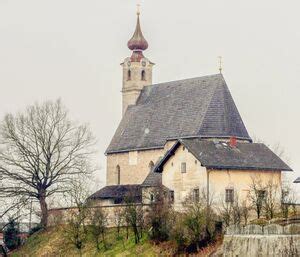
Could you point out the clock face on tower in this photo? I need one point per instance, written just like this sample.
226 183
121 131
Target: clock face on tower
128 63
144 63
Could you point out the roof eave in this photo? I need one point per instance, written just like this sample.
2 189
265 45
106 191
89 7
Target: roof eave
218 167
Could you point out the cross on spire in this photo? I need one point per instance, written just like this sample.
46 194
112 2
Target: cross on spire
220 64
138 12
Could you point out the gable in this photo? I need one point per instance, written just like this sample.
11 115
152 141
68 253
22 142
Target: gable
198 107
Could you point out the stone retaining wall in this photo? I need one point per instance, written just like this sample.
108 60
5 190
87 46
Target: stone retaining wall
255 240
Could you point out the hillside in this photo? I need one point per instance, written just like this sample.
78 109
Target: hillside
53 243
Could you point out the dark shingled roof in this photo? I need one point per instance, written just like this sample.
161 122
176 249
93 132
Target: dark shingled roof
297 180
117 191
219 155
153 179
197 107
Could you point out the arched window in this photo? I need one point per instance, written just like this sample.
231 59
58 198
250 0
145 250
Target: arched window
143 75
129 75
151 165
118 175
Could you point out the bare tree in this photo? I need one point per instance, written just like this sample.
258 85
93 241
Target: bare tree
287 199
134 216
199 218
159 213
225 212
245 211
41 150
118 219
272 199
257 195
76 229
98 227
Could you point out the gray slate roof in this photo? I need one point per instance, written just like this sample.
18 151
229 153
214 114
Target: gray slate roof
197 107
219 155
117 191
297 180
153 179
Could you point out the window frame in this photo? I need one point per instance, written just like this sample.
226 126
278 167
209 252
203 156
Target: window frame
118 171
143 75
171 196
183 167
229 195
196 195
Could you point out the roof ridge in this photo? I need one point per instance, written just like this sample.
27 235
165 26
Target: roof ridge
181 80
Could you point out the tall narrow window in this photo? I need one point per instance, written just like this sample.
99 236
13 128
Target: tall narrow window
151 166
143 75
118 173
171 196
183 167
129 75
261 195
151 198
196 195
229 195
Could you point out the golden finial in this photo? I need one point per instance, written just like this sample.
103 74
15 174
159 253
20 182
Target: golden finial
220 64
138 9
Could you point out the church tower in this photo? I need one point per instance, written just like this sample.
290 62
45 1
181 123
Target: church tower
137 69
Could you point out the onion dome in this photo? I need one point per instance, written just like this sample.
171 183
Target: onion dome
137 42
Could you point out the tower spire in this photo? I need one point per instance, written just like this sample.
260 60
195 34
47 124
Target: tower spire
137 43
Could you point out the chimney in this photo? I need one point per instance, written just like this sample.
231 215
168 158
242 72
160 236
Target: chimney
233 142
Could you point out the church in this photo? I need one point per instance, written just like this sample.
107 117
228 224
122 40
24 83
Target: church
186 135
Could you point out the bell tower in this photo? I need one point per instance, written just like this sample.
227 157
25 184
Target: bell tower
137 69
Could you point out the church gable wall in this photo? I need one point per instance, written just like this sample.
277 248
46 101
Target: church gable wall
134 166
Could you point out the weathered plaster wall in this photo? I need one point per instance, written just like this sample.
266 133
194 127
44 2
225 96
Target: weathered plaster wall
134 165
183 183
240 181
219 180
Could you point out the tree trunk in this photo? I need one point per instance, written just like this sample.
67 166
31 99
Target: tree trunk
44 209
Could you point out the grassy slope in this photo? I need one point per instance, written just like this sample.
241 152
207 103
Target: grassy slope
53 243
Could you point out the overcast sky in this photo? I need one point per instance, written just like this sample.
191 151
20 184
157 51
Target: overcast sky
72 49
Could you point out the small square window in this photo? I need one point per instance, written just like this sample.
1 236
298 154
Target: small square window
183 167
229 195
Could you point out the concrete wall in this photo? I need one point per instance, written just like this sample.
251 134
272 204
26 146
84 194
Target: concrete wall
254 240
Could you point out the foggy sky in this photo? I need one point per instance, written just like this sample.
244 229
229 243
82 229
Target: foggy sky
72 49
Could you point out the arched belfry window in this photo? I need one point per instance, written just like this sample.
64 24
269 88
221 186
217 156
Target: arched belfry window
143 75
118 174
129 75
151 166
